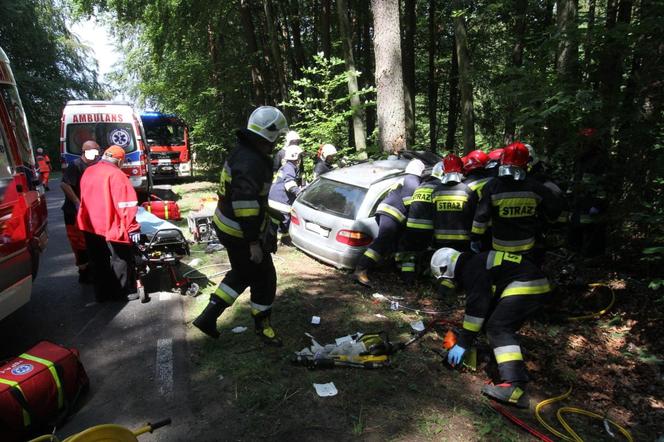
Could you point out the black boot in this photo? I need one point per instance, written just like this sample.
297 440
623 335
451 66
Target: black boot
264 329
207 320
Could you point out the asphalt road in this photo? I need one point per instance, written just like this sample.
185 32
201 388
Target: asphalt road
135 354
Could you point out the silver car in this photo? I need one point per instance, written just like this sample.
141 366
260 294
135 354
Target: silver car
333 219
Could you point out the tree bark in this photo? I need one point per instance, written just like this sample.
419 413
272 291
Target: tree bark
567 63
465 78
359 130
453 106
389 76
258 87
326 40
408 54
520 8
432 83
590 39
276 55
296 31
367 58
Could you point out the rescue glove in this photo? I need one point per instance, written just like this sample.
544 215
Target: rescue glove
255 253
455 355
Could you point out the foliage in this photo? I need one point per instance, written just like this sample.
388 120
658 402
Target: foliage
50 64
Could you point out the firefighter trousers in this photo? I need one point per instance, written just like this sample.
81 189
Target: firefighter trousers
113 267
260 278
501 330
382 245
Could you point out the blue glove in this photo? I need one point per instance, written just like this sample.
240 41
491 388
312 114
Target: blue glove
475 246
455 355
135 237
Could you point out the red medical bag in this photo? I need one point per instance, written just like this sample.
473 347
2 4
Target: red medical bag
38 390
162 209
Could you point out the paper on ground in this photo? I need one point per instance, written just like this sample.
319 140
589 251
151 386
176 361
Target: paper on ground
315 320
417 325
239 329
325 390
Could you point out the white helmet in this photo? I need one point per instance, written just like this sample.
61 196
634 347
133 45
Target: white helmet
291 136
415 167
443 263
327 150
40 150
292 152
268 122
437 171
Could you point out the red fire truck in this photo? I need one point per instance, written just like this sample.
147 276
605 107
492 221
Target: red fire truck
168 138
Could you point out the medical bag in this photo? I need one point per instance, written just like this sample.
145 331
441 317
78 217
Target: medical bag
162 209
39 389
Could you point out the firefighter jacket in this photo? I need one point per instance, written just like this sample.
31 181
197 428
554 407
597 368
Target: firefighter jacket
454 206
489 277
321 167
419 225
285 187
108 203
478 178
245 182
514 209
396 203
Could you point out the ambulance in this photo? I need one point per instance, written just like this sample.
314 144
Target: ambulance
107 123
23 213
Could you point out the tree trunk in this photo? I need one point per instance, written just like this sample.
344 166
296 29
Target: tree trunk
567 63
520 8
389 76
408 54
326 40
297 35
258 89
465 78
367 58
359 131
278 65
432 78
453 106
590 39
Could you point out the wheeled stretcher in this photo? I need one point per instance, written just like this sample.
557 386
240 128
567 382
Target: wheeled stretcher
162 245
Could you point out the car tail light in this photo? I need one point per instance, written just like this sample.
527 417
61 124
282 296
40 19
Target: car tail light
293 218
353 238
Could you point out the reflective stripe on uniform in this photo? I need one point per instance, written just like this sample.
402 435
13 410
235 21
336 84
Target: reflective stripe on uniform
372 254
423 224
227 225
507 353
458 235
519 245
14 384
408 267
472 323
392 211
407 200
534 287
479 228
127 204
54 373
515 196
244 208
256 308
226 293
281 207
446 282
290 184
494 259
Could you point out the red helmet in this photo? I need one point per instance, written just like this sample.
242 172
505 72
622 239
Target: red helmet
475 160
515 154
452 163
587 132
496 154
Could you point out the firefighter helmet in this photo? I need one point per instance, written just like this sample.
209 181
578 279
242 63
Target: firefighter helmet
443 263
293 152
292 137
475 160
40 150
494 158
452 167
415 167
514 160
327 150
268 122
437 171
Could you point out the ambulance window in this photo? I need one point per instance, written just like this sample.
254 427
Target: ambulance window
105 134
9 95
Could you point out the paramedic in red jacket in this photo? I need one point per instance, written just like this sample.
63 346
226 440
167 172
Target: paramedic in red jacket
107 217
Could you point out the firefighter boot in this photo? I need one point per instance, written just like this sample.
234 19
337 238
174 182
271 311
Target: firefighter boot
511 394
264 329
362 277
207 320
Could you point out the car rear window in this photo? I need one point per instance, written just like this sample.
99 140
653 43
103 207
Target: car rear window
334 197
106 134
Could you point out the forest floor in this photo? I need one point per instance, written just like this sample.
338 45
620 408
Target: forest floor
245 391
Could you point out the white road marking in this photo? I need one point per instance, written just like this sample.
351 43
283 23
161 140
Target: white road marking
164 296
165 366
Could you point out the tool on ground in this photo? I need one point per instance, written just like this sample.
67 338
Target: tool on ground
107 433
200 224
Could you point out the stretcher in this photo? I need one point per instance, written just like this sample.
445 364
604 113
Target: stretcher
162 245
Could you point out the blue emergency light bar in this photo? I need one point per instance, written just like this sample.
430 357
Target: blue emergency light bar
158 117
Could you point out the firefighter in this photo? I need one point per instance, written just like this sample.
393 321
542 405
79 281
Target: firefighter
107 217
513 204
325 160
244 226
502 291
419 226
454 206
474 170
44 163
285 188
292 139
71 186
494 161
391 216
